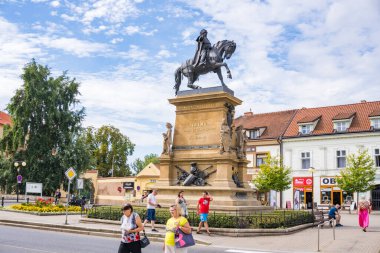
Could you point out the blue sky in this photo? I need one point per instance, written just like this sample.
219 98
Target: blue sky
290 54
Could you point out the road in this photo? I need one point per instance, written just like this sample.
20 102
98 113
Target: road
22 240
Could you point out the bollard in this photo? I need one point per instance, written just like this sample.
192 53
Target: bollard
2 201
334 223
319 227
27 200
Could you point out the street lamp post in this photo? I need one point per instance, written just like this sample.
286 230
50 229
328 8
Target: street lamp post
312 170
18 165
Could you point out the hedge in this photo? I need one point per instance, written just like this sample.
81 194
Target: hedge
275 219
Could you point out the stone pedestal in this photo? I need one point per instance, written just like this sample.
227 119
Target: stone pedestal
197 138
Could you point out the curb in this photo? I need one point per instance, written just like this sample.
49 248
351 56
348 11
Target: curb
114 233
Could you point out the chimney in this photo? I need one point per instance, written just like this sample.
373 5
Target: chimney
363 101
248 114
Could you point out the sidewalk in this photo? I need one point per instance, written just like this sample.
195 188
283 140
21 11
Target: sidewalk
349 238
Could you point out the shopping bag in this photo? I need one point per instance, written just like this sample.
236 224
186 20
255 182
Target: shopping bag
183 240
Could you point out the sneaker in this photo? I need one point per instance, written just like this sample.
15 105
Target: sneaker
154 230
338 225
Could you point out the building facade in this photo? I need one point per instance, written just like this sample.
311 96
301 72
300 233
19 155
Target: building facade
322 138
264 132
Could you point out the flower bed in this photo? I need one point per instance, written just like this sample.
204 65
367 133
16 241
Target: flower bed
44 206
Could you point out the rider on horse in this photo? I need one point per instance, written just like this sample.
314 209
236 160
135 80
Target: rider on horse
204 46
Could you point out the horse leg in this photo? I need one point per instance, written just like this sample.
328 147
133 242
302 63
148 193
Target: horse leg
223 64
219 72
191 81
178 78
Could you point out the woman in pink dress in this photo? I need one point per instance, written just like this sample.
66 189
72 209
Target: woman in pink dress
364 209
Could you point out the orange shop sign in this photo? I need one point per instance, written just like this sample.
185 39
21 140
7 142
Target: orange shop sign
302 181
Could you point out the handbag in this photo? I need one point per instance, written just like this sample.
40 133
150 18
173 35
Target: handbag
144 241
183 240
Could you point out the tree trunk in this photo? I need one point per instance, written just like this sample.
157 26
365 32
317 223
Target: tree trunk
280 199
357 197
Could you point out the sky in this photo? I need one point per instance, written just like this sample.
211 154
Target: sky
290 54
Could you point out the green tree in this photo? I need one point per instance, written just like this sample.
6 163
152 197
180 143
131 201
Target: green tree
273 175
46 117
138 165
110 150
359 175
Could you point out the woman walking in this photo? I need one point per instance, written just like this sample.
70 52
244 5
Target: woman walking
130 227
364 210
182 204
175 222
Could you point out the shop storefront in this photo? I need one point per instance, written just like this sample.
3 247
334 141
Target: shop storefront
331 194
302 192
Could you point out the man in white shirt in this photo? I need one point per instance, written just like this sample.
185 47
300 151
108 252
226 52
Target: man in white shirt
151 209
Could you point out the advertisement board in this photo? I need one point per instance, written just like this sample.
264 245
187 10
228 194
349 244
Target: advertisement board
33 188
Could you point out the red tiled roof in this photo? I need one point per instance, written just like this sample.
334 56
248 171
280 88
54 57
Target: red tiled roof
344 115
5 119
325 125
275 122
375 113
308 119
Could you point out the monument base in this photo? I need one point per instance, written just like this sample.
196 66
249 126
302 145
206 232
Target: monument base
224 199
206 147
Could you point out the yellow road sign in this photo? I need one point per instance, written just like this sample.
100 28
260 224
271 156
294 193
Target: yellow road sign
70 173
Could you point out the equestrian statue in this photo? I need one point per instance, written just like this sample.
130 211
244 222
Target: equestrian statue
206 59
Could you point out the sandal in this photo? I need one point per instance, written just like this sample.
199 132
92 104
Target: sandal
199 232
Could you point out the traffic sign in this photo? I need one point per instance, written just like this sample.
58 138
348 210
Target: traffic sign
70 173
80 183
19 179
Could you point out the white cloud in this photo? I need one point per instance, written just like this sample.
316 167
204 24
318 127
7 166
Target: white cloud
163 53
55 4
80 48
297 53
116 40
134 53
112 11
130 30
160 18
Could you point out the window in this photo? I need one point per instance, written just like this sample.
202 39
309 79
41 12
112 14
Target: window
376 123
341 158
377 157
306 129
341 126
254 134
260 159
305 158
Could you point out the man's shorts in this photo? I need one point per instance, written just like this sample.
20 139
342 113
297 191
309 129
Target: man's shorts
332 217
203 217
151 215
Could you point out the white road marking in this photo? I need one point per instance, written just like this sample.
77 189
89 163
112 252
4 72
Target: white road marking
245 251
24 248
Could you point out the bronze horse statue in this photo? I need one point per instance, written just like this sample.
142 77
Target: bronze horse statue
220 51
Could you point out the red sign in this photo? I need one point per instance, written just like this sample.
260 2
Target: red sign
302 181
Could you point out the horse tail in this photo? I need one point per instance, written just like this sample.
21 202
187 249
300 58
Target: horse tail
178 76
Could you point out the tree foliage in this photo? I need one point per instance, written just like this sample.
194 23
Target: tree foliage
360 173
273 175
110 150
138 165
46 117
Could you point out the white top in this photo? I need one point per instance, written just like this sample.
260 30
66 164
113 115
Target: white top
151 198
127 223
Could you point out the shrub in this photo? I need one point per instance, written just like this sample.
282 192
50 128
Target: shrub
274 219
